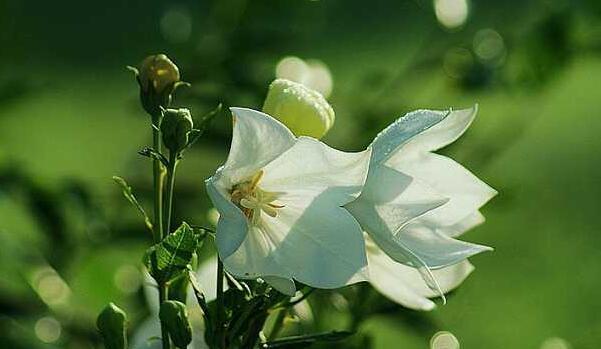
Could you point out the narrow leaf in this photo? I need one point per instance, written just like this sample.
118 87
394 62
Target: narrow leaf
307 339
129 195
204 123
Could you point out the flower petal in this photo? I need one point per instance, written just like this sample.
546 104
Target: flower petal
433 248
311 239
232 226
388 141
314 242
390 199
465 191
207 278
391 209
405 285
445 132
257 139
469 222
313 168
283 285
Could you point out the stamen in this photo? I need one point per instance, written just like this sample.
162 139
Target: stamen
252 200
255 180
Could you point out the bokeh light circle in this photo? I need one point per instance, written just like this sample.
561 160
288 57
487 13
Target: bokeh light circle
451 13
444 340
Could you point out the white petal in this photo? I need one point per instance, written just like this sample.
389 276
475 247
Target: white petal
144 336
206 275
443 133
432 248
312 168
283 285
465 191
314 242
469 222
391 209
311 239
401 131
232 226
390 199
257 139
405 285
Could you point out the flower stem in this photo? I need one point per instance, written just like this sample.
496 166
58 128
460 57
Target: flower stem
158 213
170 186
220 339
158 183
163 295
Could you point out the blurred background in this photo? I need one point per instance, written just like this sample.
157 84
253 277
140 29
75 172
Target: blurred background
70 119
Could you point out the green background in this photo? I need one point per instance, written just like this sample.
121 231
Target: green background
70 119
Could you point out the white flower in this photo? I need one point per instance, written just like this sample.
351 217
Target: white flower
280 202
414 203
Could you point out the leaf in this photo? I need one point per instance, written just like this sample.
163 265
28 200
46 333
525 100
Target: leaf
172 255
153 154
205 122
307 339
129 195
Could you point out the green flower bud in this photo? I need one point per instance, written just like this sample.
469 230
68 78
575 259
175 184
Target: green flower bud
158 72
174 317
112 323
304 111
175 127
158 77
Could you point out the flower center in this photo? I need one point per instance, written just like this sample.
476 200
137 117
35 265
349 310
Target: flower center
252 200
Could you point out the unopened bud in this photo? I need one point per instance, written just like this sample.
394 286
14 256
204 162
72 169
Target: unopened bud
175 127
174 317
304 111
158 77
112 326
158 72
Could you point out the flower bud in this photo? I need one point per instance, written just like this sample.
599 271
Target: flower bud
175 127
158 77
112 326
174 317
304 111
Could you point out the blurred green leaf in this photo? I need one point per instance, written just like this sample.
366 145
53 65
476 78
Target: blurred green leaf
296 341
129 195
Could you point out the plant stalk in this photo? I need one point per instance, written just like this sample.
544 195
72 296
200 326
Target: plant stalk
170 186
220 339
158 183
163 293
158 213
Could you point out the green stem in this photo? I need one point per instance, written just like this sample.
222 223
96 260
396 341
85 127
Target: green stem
278 324
158 183
170 186
163 292
158 213
220 339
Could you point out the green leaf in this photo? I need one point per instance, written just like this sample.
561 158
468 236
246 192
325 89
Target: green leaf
307 339
204 123
112 324
153 154
174 317
129 195
171 256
